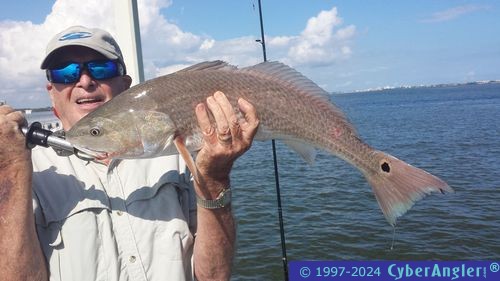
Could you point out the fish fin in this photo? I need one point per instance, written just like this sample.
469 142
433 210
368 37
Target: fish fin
398 185
307 152
288 77
186 155
285 74
208 65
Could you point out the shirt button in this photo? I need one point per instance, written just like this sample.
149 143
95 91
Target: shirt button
132 259
119 213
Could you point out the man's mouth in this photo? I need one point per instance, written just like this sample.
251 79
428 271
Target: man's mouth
89 100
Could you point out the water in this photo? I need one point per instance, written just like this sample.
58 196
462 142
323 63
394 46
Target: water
329 210
47 118
41 116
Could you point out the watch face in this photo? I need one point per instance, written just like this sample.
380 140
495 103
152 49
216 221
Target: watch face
226 197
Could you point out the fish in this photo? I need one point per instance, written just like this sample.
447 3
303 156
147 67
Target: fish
157 118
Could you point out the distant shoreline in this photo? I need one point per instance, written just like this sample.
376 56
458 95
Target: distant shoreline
39 109
49 108
422 86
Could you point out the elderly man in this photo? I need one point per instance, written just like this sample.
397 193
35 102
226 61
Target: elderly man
63 218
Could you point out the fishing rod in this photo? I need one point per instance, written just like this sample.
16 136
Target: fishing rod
36 135
262 41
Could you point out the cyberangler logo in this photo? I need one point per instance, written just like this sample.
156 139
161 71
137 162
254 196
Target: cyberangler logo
75 35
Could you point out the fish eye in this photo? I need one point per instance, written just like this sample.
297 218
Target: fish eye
95 132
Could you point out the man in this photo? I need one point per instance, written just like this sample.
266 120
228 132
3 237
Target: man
114 219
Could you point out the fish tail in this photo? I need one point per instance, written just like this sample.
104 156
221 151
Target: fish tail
398 185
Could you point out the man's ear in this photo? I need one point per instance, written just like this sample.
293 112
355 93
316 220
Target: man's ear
127 81
49 87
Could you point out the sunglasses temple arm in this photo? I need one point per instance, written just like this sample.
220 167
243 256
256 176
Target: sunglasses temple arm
36 135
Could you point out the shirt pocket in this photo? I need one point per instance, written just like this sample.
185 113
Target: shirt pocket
72 241
160 217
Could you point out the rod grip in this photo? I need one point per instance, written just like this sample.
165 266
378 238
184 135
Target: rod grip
36 135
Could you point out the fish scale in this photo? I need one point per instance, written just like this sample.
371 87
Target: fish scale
290 107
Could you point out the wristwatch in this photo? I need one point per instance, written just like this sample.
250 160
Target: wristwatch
222 200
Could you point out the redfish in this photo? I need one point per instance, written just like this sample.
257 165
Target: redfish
147 120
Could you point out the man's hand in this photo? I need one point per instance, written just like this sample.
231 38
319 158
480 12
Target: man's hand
13 149
225 140
22 257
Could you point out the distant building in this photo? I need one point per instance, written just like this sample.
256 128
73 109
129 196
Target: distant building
2 102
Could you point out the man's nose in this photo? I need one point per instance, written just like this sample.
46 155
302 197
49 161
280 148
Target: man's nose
85 79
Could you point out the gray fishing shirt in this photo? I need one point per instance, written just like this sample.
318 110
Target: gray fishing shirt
131 220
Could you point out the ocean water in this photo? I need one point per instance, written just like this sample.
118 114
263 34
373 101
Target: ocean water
47 118
41 116
329 210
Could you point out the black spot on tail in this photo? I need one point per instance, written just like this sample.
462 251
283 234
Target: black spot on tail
385 167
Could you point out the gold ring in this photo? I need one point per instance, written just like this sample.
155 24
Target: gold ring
224 138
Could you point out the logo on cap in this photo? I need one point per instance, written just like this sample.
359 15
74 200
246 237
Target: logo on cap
75 35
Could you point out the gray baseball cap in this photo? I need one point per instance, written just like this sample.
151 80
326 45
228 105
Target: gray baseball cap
93 38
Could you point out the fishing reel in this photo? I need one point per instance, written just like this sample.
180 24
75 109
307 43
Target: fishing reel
37 135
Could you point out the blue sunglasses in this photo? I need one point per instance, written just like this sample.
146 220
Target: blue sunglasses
70 72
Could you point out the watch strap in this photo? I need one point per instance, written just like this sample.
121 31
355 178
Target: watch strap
222 200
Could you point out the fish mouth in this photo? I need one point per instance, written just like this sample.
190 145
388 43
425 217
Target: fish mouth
97 155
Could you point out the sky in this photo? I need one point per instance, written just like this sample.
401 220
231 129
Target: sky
343 45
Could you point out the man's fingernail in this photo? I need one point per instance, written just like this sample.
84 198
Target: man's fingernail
242 101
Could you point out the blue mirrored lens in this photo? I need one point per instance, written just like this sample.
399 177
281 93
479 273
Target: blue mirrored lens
68 74
102 69
71 72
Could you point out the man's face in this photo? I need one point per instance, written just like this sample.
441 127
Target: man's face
73 101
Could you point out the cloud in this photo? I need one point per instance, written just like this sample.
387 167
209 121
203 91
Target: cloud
454 13
319 43
165 46
22 48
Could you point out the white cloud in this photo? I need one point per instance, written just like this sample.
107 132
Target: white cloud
319 43
454 13
207 44
156 30
280 41
166 47
22 47
319 28
345 34
170 69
